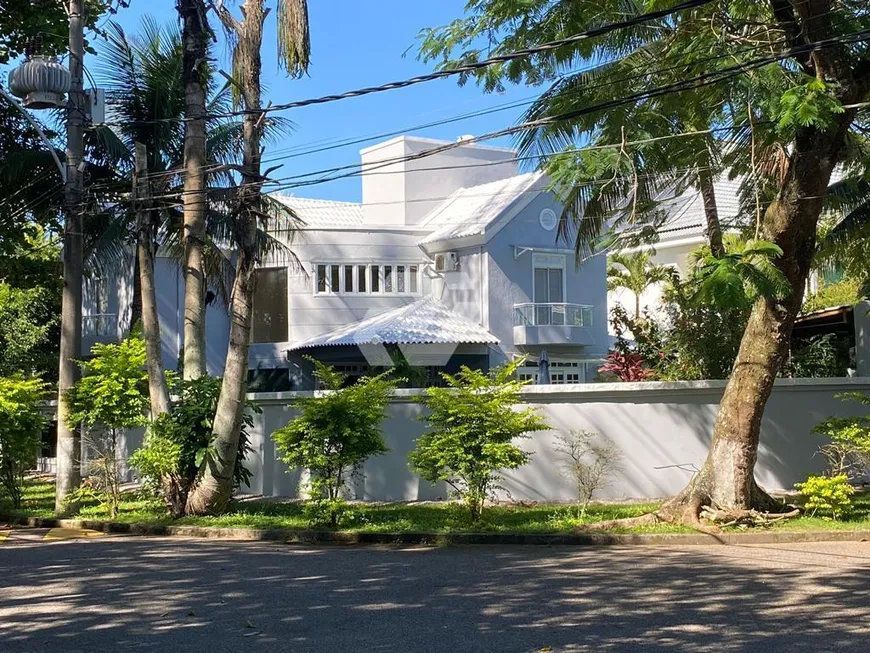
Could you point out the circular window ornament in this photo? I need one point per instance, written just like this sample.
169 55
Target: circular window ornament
548 219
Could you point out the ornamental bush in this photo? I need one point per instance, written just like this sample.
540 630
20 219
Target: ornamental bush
472 427
21 426
178 443
828 495
334 433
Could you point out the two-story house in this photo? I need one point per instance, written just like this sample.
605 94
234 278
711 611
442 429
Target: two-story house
449 259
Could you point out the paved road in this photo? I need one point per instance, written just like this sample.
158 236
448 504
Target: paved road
174 595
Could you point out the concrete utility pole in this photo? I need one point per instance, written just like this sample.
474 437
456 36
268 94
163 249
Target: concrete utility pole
69 440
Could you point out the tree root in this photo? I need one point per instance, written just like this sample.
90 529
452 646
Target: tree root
693 507
745 518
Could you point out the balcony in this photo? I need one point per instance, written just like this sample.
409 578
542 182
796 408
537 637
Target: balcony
552 324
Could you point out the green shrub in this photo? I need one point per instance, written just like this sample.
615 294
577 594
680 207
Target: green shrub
334 434
21 426
849 450
828 495
178 443
472 426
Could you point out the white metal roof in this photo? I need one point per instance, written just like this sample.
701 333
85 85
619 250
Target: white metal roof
686 212
425 321
469 211
317 213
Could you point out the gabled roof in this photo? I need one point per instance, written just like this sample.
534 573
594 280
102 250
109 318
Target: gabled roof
470 211
686 212
426 321
317 213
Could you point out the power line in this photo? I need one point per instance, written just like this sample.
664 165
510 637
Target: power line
692 83
465 68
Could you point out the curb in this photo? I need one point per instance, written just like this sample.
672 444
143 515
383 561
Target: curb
292 536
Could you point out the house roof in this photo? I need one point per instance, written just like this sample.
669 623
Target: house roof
317 213
425 321
686 211
469 211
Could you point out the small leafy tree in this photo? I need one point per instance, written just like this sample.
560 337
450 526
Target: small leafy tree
849 450
111 397
334 434
472 425
21 425
179 442
588 463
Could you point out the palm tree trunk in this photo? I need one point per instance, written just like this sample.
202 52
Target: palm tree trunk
214 490
158 389
726 480
136 300
194 38
711 212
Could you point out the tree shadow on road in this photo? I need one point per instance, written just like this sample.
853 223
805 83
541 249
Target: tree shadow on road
189 595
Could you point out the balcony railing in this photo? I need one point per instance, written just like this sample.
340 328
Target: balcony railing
552 315
100 325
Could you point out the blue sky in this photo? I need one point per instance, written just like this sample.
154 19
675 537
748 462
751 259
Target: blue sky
354 44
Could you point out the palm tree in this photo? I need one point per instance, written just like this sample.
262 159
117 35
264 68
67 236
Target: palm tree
635 272
249 208
146 97
742 274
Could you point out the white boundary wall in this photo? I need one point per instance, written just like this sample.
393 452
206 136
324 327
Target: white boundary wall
662 429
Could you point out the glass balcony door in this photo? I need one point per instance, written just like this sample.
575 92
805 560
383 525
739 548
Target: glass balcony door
549 290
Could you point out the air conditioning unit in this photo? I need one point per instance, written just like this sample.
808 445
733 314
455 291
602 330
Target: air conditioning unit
446 262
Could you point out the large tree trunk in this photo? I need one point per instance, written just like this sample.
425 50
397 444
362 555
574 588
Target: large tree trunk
215 488
158 389
195 41
69 439
726 480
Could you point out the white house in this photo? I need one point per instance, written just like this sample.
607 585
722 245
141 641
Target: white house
450 259
683 230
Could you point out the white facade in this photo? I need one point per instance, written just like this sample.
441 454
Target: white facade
460 226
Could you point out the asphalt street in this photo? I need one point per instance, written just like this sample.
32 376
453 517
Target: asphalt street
68 594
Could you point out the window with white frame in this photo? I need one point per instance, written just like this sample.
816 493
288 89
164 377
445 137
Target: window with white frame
367 279
562 372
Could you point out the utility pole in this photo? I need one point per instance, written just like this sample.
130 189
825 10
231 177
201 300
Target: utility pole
69 440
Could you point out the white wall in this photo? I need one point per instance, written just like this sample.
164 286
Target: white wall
402 193
662 429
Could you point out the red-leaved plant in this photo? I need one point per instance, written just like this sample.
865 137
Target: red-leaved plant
626 367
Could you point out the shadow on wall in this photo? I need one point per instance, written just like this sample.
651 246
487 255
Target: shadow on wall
662 430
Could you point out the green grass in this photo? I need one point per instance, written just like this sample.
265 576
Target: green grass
409 517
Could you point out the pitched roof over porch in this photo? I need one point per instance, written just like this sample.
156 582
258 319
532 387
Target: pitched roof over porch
425 321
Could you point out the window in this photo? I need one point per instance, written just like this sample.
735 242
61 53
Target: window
400 279
335 278
271 319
